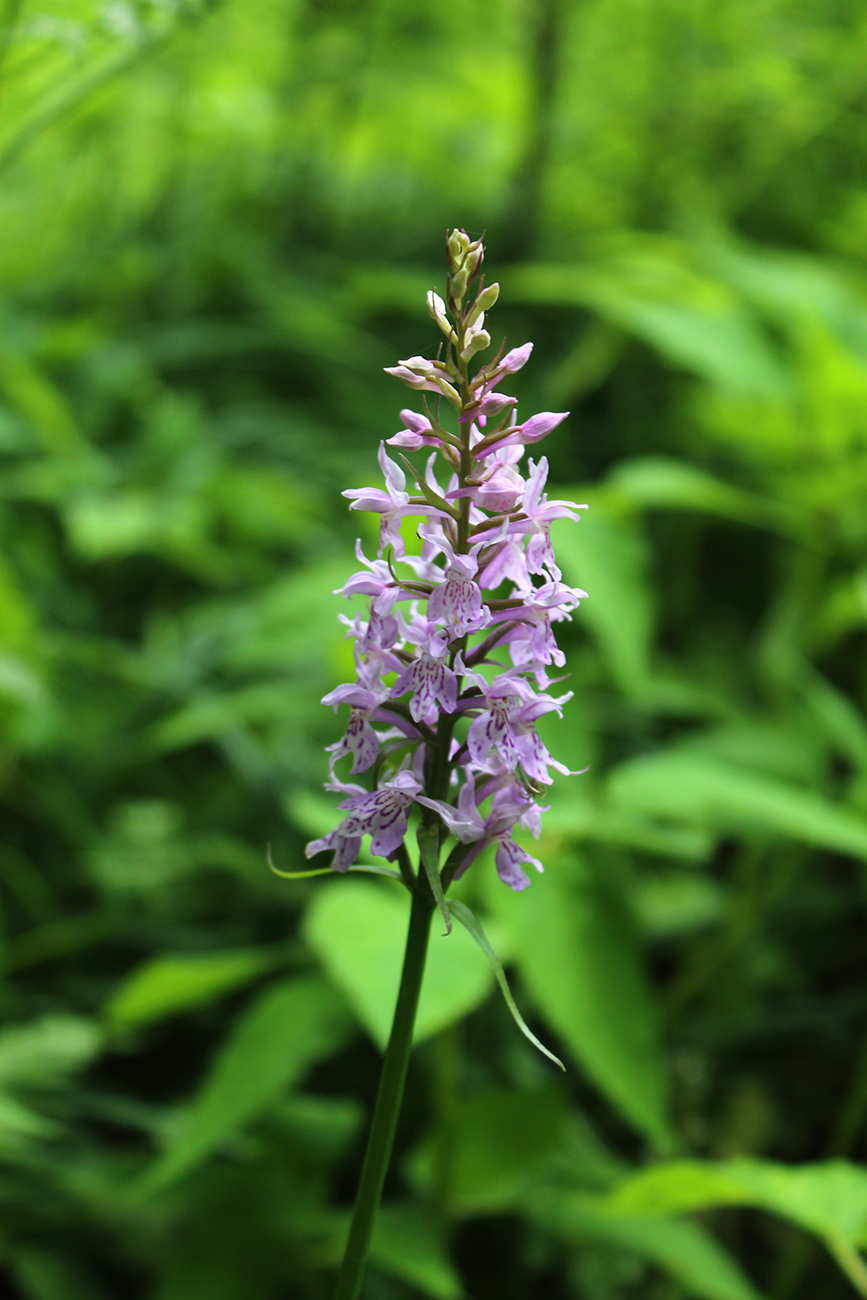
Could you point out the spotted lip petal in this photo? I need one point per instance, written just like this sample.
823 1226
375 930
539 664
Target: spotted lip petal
381 813
431 682
345 849
360 740
457 602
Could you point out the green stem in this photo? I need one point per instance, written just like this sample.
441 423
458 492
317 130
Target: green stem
388 1098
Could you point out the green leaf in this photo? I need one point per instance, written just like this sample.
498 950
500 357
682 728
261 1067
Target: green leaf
655 482
291 621
684 1250
174 982
17 621
321 1126
498 1145
409 1244
286 1030
829 1199
429 848
358 931
103 527
775 749
578 818
717 341
43 1052
677 902
40 1054
789 285
838 717
689 788
607 557
651 290
502 1142
472 926
578 955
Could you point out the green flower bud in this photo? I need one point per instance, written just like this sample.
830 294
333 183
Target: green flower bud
458 246
437 309
458 285
477 342
473 259
484 302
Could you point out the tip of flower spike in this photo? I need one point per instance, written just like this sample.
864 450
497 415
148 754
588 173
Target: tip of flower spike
465 257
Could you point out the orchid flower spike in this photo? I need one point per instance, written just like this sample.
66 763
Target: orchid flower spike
445 731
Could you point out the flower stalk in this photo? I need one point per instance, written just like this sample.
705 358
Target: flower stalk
388 1098
447 732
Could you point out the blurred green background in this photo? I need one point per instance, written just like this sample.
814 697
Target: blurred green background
218 224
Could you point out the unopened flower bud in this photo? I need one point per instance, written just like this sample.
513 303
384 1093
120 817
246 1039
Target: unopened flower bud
484 302
417 423
421 366
494 403
458 243
419 373
473 260
500 493
458 284
437 310
515 359
418 432
477 341
411 379
538 426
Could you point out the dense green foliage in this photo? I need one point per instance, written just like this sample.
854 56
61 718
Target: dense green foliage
219 223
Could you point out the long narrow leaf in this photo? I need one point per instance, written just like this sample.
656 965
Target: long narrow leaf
471 923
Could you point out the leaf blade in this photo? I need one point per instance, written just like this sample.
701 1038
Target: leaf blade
293 1024
579 956
471 923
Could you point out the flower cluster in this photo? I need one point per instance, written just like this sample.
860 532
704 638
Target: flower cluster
433 716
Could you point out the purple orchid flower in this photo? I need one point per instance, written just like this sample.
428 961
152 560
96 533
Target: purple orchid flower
510 807
505 727
382 814
391 505
418 432
361 741
377 583
428 676
457 602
